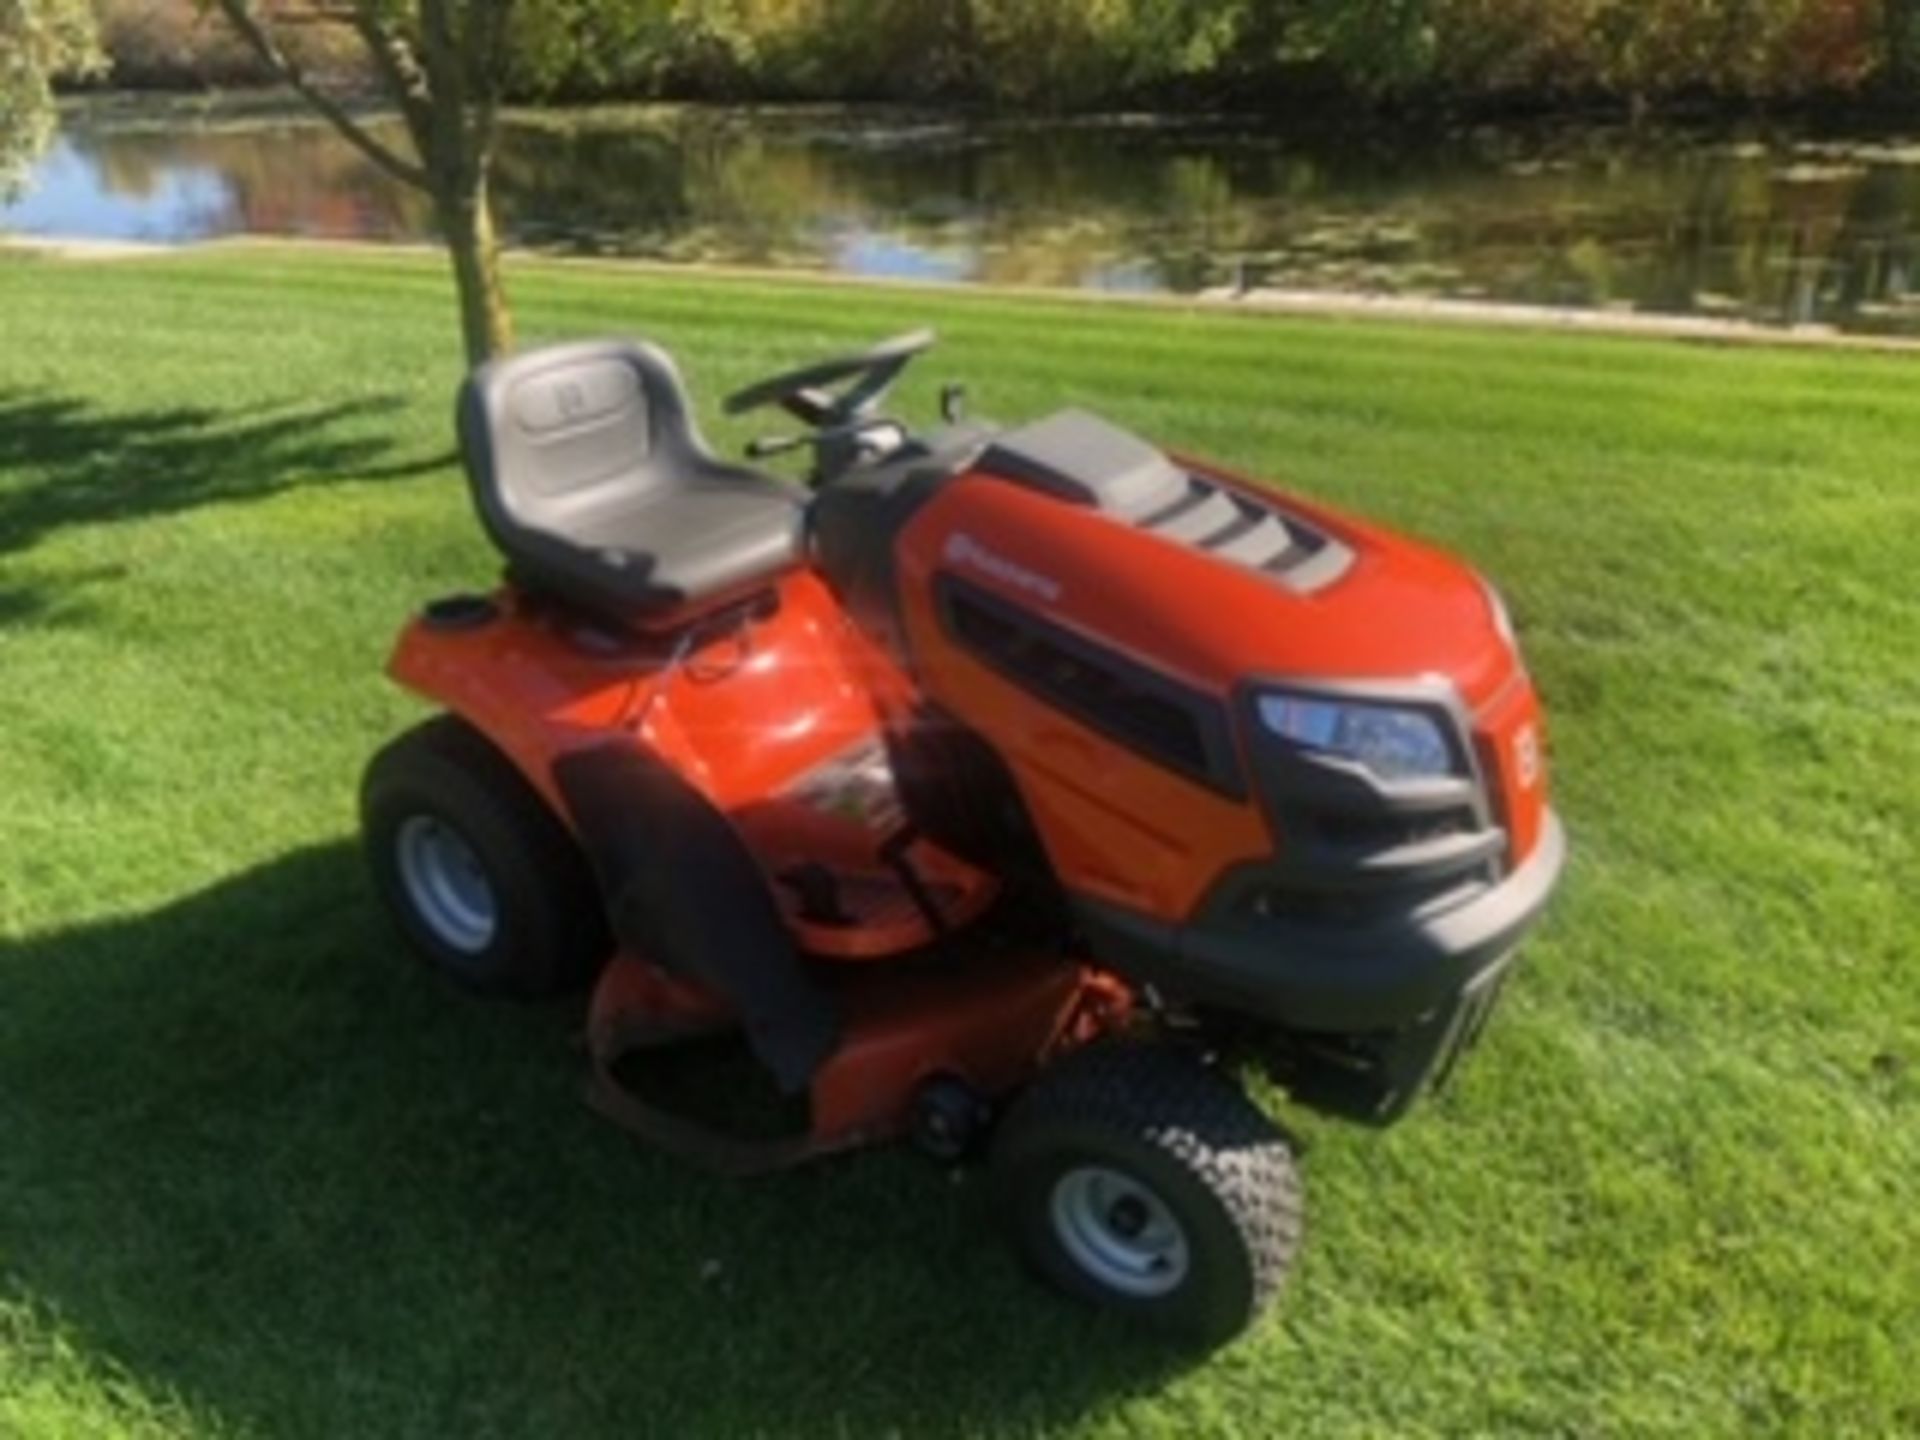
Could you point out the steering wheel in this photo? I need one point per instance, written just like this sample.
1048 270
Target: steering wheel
808 394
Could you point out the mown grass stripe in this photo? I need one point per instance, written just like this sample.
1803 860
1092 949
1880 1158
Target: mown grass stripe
261 1177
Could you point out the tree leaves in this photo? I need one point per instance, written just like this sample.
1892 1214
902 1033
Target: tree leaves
39 41
1068 53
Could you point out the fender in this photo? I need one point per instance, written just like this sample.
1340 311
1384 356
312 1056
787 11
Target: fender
683 890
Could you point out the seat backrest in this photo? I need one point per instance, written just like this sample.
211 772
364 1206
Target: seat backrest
555 437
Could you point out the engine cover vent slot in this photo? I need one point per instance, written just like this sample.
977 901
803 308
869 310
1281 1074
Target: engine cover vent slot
1081 459
1251 532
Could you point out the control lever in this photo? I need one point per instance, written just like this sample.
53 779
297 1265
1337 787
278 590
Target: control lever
765 447
953 403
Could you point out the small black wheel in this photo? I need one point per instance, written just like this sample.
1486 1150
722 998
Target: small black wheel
1134 1177
949 1117
482 878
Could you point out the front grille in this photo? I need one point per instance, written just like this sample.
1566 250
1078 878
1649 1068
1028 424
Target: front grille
1352 852
1359 832
1403 865
1349 908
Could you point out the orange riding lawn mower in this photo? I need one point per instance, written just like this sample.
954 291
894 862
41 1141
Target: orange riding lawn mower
1010 790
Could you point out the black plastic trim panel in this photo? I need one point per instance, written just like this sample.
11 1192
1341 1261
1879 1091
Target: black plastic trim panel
1353 846
1150 713
1381 976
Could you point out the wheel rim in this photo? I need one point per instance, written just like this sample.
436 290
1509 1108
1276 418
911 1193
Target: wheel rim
1119 1232
446 884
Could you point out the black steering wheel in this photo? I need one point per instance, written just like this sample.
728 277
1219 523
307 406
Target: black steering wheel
808 394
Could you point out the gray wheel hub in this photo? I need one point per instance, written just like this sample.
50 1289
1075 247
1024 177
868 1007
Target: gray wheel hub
446 885
1119 1232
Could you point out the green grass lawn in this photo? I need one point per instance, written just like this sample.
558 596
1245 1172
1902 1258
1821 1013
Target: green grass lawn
260 1175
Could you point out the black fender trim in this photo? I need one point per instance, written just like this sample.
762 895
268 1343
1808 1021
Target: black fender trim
683 891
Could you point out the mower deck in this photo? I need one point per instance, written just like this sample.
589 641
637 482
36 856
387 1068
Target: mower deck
986 1021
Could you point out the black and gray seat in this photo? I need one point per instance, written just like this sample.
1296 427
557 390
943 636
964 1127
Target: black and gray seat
591 476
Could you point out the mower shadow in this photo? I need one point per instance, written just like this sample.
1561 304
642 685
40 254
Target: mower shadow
276 1175
65 461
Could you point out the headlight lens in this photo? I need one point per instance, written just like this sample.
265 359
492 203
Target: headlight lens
1395 742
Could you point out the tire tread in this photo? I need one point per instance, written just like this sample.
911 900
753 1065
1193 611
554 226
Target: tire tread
447 759
1156 1097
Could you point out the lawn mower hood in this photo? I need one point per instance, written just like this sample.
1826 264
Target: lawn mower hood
1282 764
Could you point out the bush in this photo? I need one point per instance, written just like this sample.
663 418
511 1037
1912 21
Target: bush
1056 54
172 45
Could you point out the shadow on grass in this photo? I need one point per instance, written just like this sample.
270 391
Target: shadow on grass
263 1166
50 604
64 462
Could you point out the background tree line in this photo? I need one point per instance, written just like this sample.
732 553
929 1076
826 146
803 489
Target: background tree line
449 66
1180 54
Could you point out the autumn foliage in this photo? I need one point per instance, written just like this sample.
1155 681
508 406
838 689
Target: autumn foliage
1179 53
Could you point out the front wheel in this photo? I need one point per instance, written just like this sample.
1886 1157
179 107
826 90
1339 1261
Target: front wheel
1134 1177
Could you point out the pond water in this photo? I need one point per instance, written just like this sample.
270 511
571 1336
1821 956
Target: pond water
1782 226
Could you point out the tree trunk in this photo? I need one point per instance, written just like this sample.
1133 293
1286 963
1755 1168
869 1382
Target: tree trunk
486 322
1902 18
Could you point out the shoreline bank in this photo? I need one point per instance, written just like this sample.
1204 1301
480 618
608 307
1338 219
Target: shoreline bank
1258 301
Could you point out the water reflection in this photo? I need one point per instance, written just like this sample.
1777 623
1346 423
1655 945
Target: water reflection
1780 227
78 192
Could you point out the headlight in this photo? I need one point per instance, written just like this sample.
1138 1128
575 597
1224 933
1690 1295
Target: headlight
1395 742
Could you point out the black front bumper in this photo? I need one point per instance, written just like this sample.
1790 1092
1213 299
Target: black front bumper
1357 1016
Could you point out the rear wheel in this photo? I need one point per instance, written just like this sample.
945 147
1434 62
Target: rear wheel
1136 1178
482 878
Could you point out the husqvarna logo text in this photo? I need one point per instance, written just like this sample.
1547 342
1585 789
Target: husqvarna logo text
1526 756
963 551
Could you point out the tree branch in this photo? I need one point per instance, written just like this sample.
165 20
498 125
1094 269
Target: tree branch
488 52
240 14
400 70
449 156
